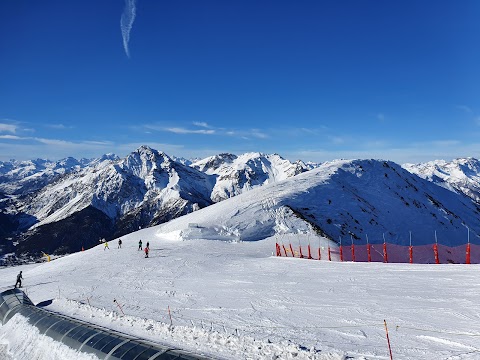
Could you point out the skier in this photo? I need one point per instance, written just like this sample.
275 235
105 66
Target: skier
19 280
119 243
140 245
148 244
146 252
106 246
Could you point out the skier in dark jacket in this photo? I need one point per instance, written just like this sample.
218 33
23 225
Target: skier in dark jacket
148 244
140 245
19 280
119 243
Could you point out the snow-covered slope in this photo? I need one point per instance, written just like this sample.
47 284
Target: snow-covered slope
460 175
232 299
145 188
236 174
236 301
339 199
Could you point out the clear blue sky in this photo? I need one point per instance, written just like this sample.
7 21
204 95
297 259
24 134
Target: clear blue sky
311 80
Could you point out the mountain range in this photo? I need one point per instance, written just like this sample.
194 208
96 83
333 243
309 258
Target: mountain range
60 207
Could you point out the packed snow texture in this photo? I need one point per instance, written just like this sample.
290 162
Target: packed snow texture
234 300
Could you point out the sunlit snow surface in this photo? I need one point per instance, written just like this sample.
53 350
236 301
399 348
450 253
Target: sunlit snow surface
237 301
234 300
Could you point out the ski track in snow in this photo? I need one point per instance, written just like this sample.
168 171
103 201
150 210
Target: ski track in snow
234 300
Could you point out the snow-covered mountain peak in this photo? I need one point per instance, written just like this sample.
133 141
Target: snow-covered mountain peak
144 160
460 175
144 188
212 164
338 199
20 177
236 174
148 187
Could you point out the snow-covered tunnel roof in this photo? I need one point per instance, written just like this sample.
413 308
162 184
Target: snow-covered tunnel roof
85 337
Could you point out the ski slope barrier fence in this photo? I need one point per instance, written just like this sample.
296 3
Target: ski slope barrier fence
386 252
86 337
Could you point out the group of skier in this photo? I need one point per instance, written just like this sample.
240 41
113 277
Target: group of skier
147 248
106 244
140 247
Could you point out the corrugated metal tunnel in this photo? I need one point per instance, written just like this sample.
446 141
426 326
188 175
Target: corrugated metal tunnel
86 337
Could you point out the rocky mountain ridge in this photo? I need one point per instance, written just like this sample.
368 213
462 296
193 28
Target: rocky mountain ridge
83 201
145 188
459 175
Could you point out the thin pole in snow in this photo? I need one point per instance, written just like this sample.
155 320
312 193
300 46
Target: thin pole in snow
352 249
369 253
388 339
468 233
115 301
170 315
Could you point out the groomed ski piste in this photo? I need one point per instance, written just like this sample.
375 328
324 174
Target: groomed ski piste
205 290
236 301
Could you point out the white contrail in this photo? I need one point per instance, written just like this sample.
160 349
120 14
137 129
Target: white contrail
126 23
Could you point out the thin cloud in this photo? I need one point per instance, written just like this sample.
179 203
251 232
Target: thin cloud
11 128
258 134
308 131
52 141
59 126
178 130
465 109
469 111
337 140
181 130
105 143
12 137
244 134
126 23
23 148
201 124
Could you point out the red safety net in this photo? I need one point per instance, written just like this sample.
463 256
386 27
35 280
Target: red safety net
392 253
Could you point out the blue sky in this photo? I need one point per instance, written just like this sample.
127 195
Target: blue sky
311 80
